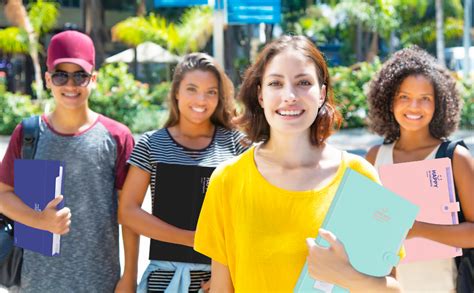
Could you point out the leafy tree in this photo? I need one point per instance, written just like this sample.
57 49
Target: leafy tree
41 17
418 22
357 25
191 33
360 25
14 40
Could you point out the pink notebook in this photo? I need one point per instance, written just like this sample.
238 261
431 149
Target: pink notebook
428 184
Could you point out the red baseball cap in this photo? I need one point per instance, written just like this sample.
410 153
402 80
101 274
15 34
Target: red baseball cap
71 47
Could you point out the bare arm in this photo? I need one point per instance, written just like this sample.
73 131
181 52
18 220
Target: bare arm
461 235
131 242
372 154
49 219
332 265
132 216
221 281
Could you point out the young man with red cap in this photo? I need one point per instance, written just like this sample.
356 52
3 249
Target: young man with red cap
95 150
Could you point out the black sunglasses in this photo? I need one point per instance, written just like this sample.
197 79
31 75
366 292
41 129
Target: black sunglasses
79 78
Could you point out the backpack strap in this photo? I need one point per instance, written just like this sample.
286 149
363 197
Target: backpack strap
441 153
446 150
31 132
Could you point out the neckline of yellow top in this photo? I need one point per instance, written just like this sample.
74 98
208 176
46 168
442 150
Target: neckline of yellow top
337 176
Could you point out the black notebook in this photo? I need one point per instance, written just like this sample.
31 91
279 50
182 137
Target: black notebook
179 194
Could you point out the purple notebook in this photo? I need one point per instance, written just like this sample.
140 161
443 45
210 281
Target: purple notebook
37 182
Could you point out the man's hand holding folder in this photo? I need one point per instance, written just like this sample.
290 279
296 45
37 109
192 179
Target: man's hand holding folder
53 220
38 183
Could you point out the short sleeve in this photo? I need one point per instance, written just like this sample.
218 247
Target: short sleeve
362 166
124 142
124 150
210 231
141 154
13 152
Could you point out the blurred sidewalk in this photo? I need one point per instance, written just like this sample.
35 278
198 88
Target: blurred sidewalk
357 141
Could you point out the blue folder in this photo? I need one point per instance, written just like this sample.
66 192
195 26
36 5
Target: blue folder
36 183
371 222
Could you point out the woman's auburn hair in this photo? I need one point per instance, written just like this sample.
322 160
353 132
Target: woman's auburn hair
225 111
252 120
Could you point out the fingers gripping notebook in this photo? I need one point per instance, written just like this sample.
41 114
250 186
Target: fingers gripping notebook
37 182
371 222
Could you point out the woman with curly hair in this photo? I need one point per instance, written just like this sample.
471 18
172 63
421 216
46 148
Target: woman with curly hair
415 106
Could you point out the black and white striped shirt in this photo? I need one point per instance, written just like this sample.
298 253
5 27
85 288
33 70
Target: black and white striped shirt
159 147
177 194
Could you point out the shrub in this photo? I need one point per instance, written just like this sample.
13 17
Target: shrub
350 89
119 96
13 108
467 91
349 84
159 93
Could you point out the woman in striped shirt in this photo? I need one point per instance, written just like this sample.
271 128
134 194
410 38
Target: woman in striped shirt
176 162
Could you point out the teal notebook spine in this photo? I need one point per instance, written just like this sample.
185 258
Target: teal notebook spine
305 283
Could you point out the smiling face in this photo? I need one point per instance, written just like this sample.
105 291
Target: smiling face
290 93
70 96
198 96
414 103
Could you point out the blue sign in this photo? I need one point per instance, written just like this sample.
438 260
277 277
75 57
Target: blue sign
245 11
219 4
179 3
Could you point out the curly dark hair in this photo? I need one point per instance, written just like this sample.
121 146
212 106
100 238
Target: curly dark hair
385 85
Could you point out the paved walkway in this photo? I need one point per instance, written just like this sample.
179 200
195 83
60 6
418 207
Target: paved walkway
360 140
354 140
357 141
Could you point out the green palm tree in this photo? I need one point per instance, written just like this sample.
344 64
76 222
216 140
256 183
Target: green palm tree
191 33
13 40
136 30
359 24
193 30
418 22
371 20
23 38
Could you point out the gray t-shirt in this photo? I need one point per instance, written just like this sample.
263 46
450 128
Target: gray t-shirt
95 167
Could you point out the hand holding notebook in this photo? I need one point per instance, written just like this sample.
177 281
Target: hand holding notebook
56 220
371 222
329 262
38 183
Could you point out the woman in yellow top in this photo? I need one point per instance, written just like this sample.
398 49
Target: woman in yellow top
260 207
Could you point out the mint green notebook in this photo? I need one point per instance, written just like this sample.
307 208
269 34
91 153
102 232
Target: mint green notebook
371 222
